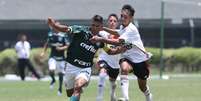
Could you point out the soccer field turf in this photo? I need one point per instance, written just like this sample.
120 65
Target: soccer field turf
163 90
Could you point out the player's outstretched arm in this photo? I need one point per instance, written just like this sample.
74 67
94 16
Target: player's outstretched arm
111 31
96 39
59 27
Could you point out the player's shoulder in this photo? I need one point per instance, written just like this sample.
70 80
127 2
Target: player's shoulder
132 27
78 28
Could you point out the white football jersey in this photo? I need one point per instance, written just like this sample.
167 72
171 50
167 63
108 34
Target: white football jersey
112 60
131 35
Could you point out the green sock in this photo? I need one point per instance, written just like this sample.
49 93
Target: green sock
74 98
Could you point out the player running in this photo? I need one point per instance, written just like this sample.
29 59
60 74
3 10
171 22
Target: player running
80 54
108 64
135 58
58 43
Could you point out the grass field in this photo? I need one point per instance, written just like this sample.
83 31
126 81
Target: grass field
163 90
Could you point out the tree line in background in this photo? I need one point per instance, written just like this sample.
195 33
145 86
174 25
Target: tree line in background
181 60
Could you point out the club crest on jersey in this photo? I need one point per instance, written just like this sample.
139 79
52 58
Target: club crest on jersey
88 47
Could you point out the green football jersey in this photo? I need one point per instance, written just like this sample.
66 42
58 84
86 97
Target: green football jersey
81 51
57 40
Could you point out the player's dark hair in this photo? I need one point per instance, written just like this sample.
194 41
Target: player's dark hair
130 9
98 18
20 35
114 15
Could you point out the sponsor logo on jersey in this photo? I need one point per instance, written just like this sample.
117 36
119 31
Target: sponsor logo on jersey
83 63
88 47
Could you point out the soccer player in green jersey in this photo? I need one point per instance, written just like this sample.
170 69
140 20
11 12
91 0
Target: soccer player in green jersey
80 54
58 43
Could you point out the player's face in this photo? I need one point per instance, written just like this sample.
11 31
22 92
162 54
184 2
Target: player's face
112 22
125 18
23 38
96 27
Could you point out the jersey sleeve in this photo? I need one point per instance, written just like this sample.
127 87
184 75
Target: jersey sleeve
75 29
50 33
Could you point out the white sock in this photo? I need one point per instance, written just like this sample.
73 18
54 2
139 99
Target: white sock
148 95
112 87
101 85
124 86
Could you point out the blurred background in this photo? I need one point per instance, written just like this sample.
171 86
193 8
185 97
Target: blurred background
170 29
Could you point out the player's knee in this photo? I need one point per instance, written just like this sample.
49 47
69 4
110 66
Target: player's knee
124 71
77 89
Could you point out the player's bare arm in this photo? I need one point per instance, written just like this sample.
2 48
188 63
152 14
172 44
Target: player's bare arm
44 49
111 31
62 48
59 27
96 39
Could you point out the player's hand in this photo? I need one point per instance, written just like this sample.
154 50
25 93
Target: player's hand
42 54
96 39
50 21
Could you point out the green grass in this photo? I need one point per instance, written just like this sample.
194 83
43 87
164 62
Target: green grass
163 90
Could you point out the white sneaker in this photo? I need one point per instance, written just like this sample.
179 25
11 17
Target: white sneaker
52 86
149 97
59 93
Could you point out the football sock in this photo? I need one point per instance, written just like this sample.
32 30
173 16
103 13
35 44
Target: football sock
101 85
124 86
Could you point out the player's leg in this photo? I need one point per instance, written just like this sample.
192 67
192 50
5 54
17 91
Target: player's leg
125 69
113 74
141 70
32 69
60 83
52 67
60 70
145 89
101 82
21 67
81 80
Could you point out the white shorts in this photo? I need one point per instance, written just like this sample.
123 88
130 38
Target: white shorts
58 66
73 72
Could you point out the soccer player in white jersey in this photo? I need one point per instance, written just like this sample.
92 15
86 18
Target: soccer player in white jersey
135 58
108 64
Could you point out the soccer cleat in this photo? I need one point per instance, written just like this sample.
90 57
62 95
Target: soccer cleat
59 93
52 86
